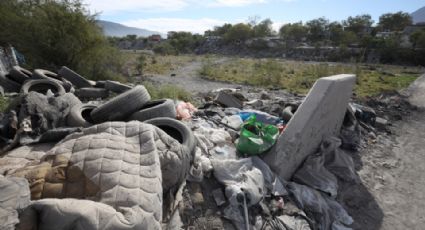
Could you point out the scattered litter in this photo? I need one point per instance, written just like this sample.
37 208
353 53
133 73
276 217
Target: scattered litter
256 137
193 173
185 110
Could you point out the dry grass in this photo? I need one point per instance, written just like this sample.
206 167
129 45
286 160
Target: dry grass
299 77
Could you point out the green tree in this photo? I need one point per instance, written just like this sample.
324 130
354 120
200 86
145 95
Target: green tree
219 30
336 32
359 24
164 48
184 42
348 37
239 32
395 22
293 31
55 33
318 29
418 39
263 29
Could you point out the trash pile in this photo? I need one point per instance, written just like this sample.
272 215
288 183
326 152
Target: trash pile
102 155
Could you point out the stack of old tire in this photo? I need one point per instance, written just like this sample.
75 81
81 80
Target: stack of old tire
130 103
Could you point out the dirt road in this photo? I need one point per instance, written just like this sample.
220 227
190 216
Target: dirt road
394 169
188 78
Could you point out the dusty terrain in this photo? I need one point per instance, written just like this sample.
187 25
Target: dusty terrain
187 77
393 172
394 168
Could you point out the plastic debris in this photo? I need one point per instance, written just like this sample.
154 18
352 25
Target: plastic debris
256 137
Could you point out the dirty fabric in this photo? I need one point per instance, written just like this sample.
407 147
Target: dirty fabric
15 196
46 112
116 164
22 156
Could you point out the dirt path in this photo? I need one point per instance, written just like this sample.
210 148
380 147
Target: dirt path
188 78
394 170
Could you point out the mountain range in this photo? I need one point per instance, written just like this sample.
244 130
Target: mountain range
418 16
113 29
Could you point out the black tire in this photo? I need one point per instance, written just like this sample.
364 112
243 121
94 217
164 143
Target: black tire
100 84
177 130
116 87
87 93
9 85
79 115
122 106
20 74
45 74
42 85
76 79
156 108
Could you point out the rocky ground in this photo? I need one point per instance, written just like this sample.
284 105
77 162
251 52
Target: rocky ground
390 166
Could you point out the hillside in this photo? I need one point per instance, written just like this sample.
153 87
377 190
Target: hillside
419 15
113 29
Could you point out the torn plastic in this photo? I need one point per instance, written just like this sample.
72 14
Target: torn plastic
243 183
337 161
350 131
314 174
326 212
234 121
262 117
271 182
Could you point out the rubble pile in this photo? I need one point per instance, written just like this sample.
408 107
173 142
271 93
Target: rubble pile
103 155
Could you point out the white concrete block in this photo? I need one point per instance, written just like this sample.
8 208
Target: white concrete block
320 115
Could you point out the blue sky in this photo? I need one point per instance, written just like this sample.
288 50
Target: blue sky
197 16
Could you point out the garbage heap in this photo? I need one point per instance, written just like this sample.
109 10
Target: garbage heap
102 155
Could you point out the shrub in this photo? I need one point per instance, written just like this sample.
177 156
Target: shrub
55 33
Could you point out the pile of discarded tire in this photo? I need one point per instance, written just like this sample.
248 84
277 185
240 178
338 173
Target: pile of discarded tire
130 103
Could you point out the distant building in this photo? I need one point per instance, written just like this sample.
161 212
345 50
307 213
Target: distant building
385 34
155 38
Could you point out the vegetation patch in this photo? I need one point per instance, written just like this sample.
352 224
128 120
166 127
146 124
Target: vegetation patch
299 77
167 91
139 64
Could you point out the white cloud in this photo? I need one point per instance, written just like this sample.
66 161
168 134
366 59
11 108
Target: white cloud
113 6
110 6
235 3
276 25
164 25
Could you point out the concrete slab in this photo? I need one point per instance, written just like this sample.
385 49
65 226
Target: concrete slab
320 115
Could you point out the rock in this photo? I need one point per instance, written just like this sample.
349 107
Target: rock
265 96
228 100
381 123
